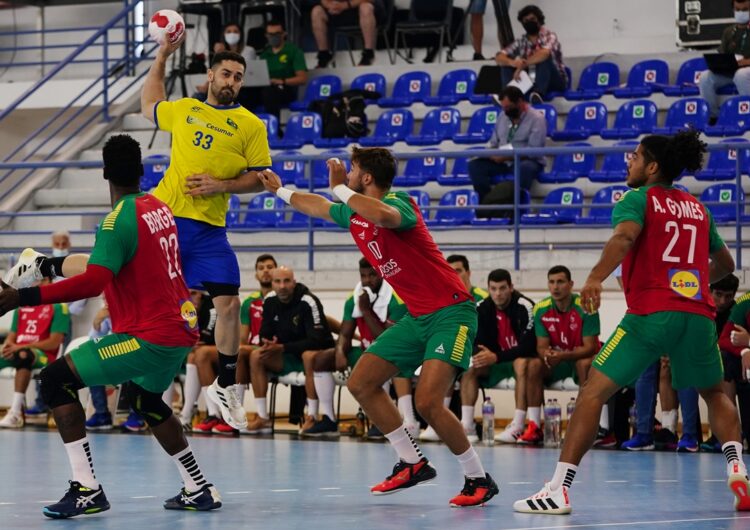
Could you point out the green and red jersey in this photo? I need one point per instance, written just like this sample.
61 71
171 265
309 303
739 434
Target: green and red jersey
396 310
34 324
564 329
739 315
251 314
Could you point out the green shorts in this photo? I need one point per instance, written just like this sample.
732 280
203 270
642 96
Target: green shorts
640 340
354 354
40 360
117 358
292 363
497 373
562 371
447 334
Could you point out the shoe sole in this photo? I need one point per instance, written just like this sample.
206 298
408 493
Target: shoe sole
99 428
558 511
403 488
225 433
58 515
687 449
214 506
644 448
320 434
213 396
491 492
264 430
739 486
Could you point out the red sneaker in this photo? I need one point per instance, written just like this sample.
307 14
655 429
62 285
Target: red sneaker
476 492
224 428
533 435
605 439
405 476
738 483
207 425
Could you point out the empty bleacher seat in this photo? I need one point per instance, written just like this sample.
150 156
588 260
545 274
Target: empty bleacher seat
725 194
685 113
302 221
418 171
289 170
481 125
272 124
392 126
599 213
422 198
438 125
154 171
570 167
302 128
548 214
688 75
595 80
583 120
633 119
455 86
550 115
644 77
459 175
615 165
524 199
463 214
233 215
552 94
266 218
722 165
319 170
318 88
734 118
409 87
371 82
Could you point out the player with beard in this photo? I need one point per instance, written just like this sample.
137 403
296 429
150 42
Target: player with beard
218 147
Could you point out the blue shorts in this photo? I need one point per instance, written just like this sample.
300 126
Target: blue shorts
206 254
477 7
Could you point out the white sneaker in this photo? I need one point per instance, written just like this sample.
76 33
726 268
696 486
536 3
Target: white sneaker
413 430
429 435
511 433
739 485
229 402
25 272
471 434
11 421
547 501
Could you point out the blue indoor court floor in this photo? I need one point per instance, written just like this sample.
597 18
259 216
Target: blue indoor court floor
286 483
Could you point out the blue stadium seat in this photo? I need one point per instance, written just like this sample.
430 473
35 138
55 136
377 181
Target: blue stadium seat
318 88
681 187
319 170
332 143
289 170
684 113
726 195
418 171
549 215
392 126
481 125
153 173
455 86
549 96
302 128
722 165
272 125
524 199
615 165
600 214
633 119
584 119
233 216
409 87
459 175
299 220
422 198
438 125
595 80
688 75
734 118
264 219
463 214
371 82
568 168
644 77
550 115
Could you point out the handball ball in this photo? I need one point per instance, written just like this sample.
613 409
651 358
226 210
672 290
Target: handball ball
166 26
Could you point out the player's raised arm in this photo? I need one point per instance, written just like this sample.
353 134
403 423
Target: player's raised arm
308 203
153 88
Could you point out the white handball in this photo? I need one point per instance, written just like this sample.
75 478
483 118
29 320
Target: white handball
166 26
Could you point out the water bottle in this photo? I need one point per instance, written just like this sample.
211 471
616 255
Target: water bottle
570 408
548 421
488 422
556 420
633 420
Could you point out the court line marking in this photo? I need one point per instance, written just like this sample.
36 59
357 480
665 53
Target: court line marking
714 480
665 480
615 481
6 503
236 492
144 497
514 483
283 491
328 489
329 495
42 502
633 523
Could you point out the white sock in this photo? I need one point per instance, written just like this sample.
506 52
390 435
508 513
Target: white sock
406 409
604 418
325 387
387 386
240 393
189 470
467 417
733 453
79 456
669 420
447 402
191 392
211 407
471 464
19 399
405 446
519 418
535 415
261 408
564 475
312 407
168 395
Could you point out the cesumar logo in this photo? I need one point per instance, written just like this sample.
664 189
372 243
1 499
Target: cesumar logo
189 314
685 283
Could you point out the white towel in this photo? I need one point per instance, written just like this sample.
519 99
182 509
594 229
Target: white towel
379 301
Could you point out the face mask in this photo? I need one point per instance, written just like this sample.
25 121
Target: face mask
513 113
742 17
275 40
60 252
531 27
232 38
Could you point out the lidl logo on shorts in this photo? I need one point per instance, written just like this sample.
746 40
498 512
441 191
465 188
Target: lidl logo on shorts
685 283
725 196
602 79
491 117
639 111
325 90
462 87
189 314
743 107
691 108
415 86
649 76
590 113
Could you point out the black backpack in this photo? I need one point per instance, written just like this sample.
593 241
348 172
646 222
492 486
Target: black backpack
344 113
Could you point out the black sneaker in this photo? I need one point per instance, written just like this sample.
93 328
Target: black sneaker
405 476
476 492
368 57
324 59
373 433
79 500
665 440
206 498
324 427
478 57
432 54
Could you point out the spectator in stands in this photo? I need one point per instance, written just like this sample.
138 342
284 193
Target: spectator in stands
567 339
367 13
231 41
36 335
294 327
734 40
504 346
539 50
372 307
476 10
101 420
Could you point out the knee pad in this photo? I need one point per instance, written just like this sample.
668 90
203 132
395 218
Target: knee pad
24 359
59 385
148 404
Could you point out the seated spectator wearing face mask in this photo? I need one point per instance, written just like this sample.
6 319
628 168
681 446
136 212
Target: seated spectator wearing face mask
231 41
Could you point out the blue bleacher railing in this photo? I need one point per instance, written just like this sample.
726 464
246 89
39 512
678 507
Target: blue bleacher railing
516 246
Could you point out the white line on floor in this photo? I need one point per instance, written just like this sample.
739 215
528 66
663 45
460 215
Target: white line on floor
237 492
631 523
6 503
665 480
44 502
329 495
519 483
144 497
426 485
714 480
282 491
616 481
328 489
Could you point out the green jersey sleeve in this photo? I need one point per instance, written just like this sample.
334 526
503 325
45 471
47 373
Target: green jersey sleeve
715 242
396 309
539 329
348 308
14 323
61 319
341 213
739 312
117 237
631 207
400 201
245 311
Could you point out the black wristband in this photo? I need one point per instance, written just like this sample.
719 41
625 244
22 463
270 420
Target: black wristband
30 296
51 267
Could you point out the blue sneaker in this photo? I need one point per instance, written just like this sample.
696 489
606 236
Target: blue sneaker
134 423
687 444
206 498
79 500
324 428
639 442
100 421
37 411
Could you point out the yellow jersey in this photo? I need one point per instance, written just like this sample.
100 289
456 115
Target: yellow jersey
223 142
